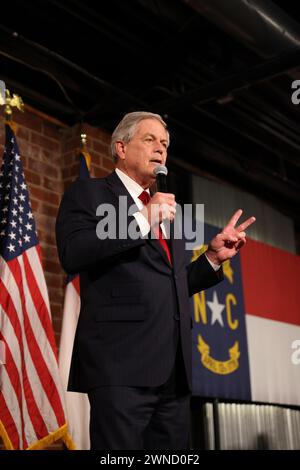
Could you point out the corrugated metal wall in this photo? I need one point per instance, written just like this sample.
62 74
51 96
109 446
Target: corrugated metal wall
221 201
249 427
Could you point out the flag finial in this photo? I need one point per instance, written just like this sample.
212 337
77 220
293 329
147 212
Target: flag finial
14 101
83 140
84 153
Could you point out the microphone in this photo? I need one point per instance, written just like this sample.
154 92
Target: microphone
160 172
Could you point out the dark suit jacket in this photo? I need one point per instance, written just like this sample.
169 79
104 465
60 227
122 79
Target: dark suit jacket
134 304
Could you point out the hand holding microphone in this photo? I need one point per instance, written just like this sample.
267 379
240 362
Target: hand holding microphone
162 205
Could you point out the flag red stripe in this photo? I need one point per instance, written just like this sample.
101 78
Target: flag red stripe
33 411
270 282
46 379
39 304
9 424
14 378
76 284
12 371
36 418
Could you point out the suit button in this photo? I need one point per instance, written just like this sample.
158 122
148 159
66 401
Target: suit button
175 276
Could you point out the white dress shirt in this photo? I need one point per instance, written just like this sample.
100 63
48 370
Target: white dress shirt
135 190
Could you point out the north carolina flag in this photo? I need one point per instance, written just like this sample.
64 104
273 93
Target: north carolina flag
78 407
219 339
245 328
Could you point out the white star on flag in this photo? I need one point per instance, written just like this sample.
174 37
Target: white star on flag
216 309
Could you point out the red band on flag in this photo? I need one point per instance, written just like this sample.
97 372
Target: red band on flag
271 282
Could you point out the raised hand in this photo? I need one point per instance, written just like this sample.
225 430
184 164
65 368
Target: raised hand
227 244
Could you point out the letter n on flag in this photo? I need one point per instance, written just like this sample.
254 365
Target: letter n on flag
78 407
32 412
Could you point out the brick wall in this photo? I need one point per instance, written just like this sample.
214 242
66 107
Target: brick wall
49 152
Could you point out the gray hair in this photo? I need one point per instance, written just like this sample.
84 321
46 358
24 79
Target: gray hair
126 128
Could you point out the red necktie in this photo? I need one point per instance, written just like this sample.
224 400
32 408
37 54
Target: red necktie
145 198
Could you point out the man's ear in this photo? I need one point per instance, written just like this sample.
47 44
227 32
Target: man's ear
120 149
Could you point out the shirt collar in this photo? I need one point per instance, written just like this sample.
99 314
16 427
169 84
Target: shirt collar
132 186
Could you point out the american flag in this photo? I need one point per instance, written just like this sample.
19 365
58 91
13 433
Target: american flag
31 400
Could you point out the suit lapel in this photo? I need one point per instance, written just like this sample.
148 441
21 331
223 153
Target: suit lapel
119 189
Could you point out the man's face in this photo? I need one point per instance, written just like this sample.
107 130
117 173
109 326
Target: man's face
147 149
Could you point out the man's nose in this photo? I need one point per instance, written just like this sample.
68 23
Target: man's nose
159 148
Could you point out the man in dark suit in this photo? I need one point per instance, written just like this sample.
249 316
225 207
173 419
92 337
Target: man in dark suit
132 349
